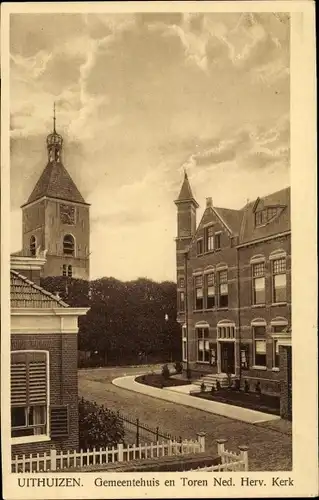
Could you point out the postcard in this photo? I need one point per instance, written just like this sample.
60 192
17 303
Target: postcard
158 250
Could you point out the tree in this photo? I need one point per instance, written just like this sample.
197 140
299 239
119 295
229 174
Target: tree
127 321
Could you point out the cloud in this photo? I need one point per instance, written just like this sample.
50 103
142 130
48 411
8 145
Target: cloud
138 97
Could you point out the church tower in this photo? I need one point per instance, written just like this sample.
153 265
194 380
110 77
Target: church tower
56 218
186 220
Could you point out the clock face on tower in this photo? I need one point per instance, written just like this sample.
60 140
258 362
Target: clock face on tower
67 214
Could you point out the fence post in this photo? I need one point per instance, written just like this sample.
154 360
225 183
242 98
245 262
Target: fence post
221 449
157 431
53 459
120 452
244 455
137 432
201 440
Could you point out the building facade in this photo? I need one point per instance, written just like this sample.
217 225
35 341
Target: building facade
44 380
56 219
234 291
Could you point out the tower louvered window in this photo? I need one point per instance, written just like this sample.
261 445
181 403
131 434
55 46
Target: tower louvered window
29 393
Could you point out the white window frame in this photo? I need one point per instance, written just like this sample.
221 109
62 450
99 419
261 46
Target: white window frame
39 437
273 276
256 323
205 342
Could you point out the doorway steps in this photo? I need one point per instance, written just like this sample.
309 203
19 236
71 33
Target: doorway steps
211 379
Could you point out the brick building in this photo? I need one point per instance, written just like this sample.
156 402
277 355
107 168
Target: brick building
234 291
56 218
44 389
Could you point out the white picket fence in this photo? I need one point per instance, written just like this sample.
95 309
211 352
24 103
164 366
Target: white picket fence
230 461
55 461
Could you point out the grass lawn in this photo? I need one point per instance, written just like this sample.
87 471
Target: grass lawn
157 380
263 402
269 443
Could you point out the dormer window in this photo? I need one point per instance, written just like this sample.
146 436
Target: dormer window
264 216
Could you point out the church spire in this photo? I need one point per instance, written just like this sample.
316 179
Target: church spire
54 118
186 192
54 142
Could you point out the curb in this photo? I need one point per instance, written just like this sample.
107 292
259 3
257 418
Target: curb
216 408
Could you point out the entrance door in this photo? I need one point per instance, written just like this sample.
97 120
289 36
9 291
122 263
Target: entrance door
227 351
289 383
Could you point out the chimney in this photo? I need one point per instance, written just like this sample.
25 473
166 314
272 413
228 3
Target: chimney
209 202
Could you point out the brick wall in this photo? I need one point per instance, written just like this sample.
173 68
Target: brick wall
285 393
269 378
63 383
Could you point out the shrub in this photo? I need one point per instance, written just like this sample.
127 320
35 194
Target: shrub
178 367
237 385
203 387
246 386
218 386
98 426
165 372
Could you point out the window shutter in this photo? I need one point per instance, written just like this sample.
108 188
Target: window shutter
59 421
18 384
37 383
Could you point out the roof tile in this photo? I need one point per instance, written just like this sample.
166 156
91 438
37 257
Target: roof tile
25 293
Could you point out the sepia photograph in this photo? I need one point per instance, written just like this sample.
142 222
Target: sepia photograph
150 246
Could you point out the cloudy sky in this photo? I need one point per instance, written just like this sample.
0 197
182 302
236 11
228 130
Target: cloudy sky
140 97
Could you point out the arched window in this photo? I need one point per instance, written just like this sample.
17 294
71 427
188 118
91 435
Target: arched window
259 338
33 245
68 245
70 271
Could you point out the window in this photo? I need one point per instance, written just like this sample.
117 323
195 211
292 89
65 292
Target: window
266 215
29 383
199 247
64 270
33 244
198 292
259 333
182 301
279 280
275 362
68 245
226 331
70 271
209 239
203 353
217 241
181 283
259 283
210 284
184 345
223 288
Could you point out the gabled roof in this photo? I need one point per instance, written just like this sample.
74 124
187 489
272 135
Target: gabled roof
186 192
280 223
56 182
25 293
231 218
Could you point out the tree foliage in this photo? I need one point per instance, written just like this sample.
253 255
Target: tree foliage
98 426
128 322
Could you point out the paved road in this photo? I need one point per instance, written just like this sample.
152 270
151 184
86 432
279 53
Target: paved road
269 444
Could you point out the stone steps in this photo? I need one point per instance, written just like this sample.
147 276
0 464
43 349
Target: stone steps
211 379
